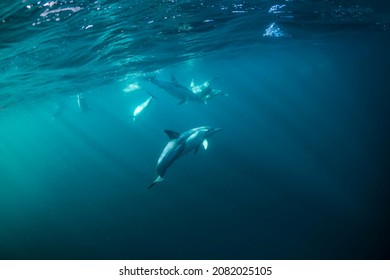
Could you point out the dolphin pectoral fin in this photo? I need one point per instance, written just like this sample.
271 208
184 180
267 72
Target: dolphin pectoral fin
172 134
205 144
158 180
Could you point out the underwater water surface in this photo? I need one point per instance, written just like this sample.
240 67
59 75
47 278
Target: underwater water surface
299 171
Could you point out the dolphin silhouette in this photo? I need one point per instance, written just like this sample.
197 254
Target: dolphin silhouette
181 144
175 89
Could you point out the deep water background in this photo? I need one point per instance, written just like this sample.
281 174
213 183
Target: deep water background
300 170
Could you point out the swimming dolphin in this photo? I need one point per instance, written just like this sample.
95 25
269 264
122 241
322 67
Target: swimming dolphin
139 109
181 144
175 89
82 103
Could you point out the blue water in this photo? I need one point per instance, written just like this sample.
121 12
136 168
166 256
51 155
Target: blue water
300 170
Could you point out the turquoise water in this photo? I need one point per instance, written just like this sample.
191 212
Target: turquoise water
298 172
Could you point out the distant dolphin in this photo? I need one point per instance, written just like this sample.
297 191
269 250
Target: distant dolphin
175 89
82 103
181 144
141 107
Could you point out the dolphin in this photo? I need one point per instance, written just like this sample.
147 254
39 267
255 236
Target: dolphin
175 89
181 144
82 103
138 110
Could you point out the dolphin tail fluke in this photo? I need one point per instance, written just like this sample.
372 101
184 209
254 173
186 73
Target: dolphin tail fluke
158 180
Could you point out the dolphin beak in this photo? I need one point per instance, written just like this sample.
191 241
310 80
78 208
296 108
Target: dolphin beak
212 131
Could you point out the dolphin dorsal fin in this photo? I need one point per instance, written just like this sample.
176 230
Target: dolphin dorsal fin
172 134
173 79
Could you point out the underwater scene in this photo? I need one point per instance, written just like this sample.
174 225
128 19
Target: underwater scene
190 129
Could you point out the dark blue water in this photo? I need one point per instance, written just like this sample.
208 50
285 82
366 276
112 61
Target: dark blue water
300 170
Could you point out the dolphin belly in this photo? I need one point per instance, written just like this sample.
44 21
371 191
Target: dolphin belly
172 151
179 145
